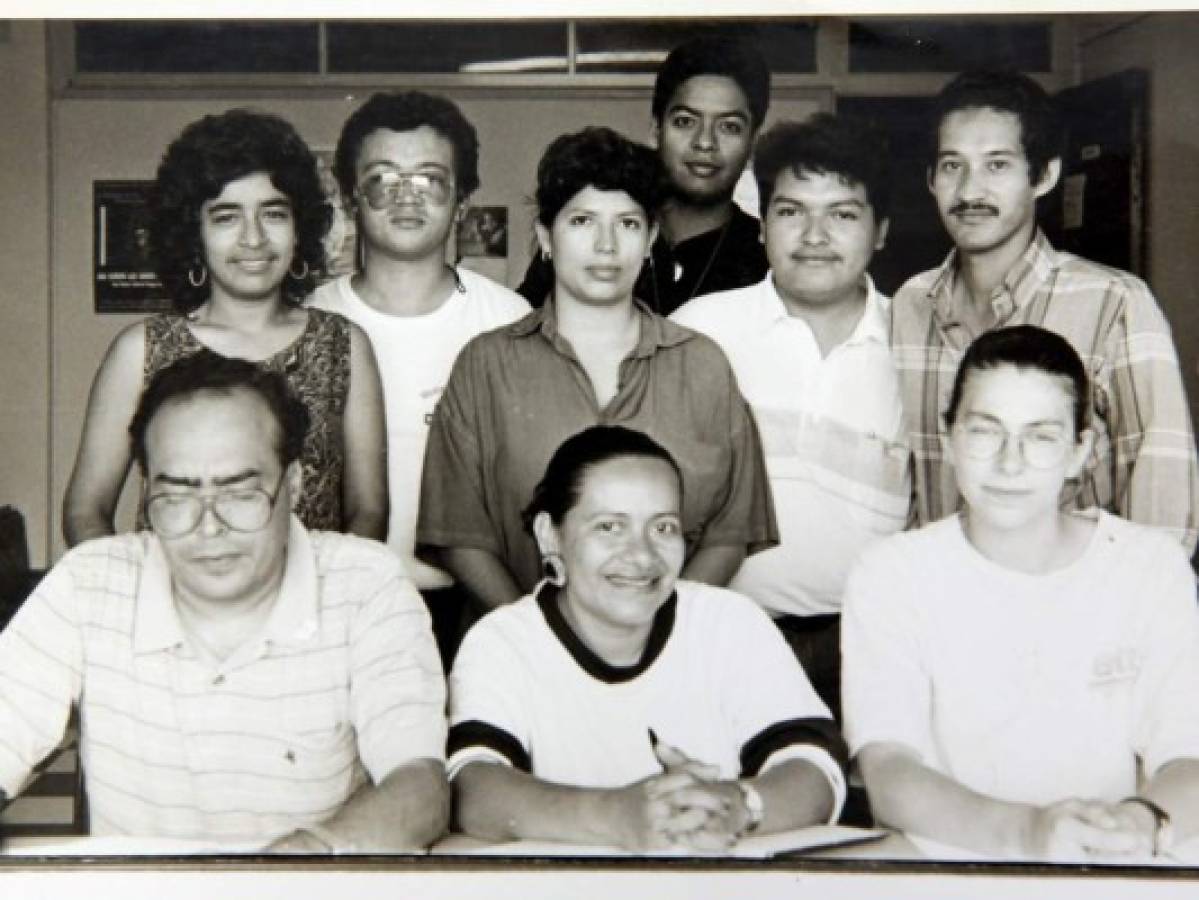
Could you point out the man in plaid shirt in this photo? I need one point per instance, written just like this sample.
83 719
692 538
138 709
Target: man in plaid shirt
997 152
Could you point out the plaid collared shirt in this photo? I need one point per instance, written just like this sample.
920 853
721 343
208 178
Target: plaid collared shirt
1144 465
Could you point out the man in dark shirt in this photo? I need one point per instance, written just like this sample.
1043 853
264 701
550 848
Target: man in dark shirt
710 97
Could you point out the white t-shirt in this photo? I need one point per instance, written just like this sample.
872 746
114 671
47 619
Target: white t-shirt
717 681
415 354
832 433
1031 688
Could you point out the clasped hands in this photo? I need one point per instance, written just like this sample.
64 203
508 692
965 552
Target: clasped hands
686 806
1091 830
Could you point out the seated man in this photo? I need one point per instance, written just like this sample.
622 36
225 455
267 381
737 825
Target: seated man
242 681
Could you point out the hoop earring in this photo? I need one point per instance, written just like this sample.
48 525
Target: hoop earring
197 280
303 273
553 566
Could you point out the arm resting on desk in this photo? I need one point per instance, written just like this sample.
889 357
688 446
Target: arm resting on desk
500 803
908 795
406 811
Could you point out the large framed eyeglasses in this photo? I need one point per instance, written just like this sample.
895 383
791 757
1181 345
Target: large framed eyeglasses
385 187
173 515
1040 447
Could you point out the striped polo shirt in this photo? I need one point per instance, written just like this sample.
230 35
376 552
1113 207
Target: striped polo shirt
345 684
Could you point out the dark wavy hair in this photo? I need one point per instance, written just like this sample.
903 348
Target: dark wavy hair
721 56
1041 131
208 372
562 485
825 144
1025 347
405 111
601 158
208 155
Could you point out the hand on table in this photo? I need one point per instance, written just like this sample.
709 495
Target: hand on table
1087 830
722 803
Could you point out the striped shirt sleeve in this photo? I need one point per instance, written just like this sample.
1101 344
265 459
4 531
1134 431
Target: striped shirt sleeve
41 661
397 689
1155 471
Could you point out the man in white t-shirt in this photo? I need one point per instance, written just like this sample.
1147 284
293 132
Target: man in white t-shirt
408 161
810 349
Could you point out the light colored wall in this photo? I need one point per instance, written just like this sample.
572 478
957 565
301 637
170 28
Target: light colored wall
124 139
24 272
1165 45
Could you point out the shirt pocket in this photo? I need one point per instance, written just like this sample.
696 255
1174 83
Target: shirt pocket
318 738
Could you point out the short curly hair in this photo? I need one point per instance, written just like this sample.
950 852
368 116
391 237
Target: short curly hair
720 56
601 158
207 156
825 144
1041 130
405 111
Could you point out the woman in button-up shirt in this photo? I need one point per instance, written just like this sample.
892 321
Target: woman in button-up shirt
594 355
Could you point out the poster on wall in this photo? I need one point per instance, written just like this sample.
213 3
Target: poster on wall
482 241
124 280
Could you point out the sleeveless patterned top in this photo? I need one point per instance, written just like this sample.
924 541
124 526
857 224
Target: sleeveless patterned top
317 368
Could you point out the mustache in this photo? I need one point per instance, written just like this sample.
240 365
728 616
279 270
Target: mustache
965 207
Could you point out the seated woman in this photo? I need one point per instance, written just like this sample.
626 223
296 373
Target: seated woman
1019 679
593 355
619 706
237 218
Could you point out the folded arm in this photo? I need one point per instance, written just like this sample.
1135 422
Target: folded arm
406 811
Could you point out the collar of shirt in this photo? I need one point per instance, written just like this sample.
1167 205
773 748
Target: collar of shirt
871 326
655 332
293 620
1019 285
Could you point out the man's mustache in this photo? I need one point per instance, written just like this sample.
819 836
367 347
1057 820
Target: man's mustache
959 208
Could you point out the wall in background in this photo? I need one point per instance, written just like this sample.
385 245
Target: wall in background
1165 46
25 360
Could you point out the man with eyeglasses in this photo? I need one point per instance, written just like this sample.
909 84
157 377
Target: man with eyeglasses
409 161
242 682
996 150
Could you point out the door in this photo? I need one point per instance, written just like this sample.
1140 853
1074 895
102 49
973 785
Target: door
1098 209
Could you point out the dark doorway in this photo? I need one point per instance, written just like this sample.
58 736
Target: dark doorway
1098 209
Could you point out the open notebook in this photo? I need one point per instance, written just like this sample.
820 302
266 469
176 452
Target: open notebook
782 844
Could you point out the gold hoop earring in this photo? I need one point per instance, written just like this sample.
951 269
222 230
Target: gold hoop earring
303 273
553 566
195 280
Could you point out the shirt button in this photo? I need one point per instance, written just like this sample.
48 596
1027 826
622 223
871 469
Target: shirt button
220 679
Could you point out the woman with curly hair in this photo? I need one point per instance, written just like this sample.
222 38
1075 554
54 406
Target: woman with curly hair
237 218
591 355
